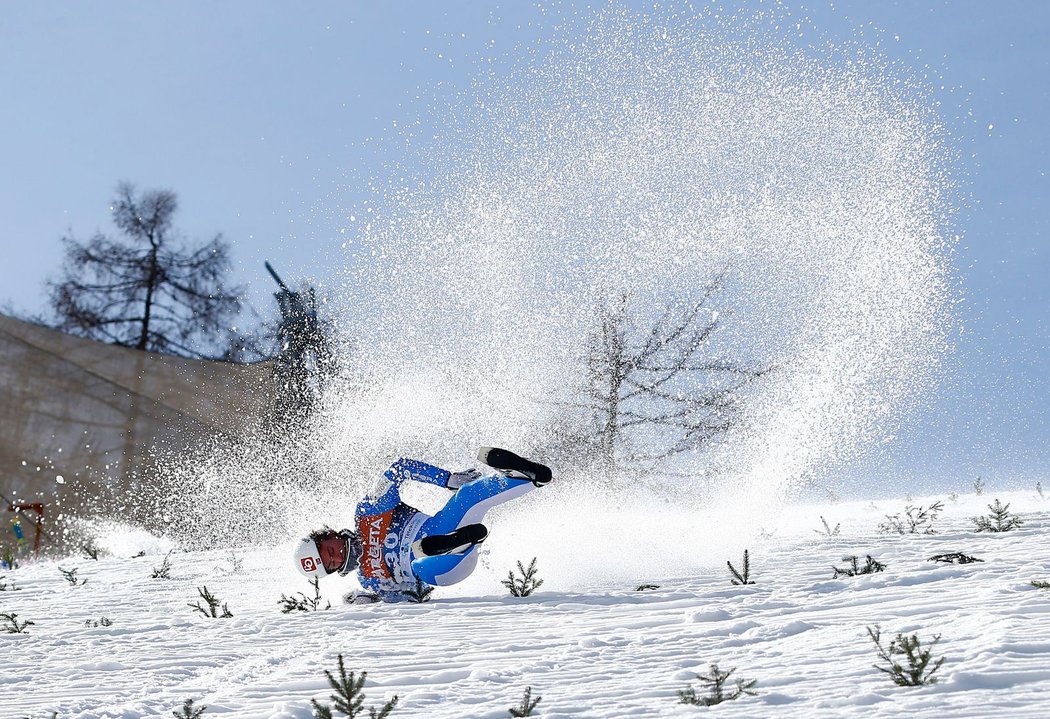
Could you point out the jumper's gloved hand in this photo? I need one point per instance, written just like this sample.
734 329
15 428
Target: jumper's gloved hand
360 598
458 479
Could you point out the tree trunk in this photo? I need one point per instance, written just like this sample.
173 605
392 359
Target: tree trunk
151 284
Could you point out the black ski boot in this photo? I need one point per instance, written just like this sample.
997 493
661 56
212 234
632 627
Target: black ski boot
458 542
514 466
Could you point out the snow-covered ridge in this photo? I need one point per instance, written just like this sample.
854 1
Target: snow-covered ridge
601 650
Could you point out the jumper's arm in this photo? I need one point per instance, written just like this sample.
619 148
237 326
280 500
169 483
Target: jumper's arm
417 471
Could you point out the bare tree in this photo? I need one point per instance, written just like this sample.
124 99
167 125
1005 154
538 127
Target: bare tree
147 290
655 393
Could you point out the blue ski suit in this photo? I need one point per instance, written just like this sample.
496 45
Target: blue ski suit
388 527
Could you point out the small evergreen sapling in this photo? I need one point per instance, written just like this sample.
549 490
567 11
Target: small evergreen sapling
978 486
870 567
828 531
998 519
714 682
739 578
71 576
213 605
420 593
164 570
348 697
526 584
236 564
917 673
11 625
189 711
527 704
916 520
954 558
305 604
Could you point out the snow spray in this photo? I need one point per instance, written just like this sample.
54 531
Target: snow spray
645 156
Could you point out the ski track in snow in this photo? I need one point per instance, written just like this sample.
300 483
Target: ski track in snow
602 651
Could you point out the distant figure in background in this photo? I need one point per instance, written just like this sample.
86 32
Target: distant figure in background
395 545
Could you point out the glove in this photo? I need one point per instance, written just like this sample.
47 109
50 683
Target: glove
360 598
458 479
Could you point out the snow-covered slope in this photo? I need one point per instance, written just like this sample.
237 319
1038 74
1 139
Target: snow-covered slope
588 651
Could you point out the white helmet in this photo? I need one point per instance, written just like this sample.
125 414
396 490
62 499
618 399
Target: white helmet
308 552
308 559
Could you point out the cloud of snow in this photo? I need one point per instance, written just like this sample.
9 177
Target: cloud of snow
643 155
648 155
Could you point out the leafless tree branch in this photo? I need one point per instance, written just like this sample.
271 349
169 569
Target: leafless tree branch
147 290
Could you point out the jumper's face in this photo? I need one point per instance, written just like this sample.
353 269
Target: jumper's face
333 552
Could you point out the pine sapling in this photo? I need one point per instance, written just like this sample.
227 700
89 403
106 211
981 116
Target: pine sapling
213 604
71 576
236 564
870 567
305 604
998 519
164 570
11 625
917 672
348 697
916 520
526 584
828 531
739 578
714 682
189 711
978 486
526 706
954 558
420 593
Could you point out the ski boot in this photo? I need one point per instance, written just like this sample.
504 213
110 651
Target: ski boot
514 466
460 541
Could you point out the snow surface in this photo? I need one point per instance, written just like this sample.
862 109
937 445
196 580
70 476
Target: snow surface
589 648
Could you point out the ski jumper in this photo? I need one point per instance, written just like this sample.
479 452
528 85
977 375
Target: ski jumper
388 527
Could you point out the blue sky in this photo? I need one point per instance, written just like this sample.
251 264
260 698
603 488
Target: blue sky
264 118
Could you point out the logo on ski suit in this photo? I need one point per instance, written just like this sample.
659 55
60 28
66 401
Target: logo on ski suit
373 531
